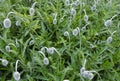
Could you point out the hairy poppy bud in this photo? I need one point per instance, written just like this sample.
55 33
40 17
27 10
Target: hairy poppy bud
18 23
85 16
7 23
108 23
67 2
82 70
54 21
73 12
31 42
90 75
66 33
31 11
4 62
85 74
93 7
50 50
46 61
75 32
7 48
109 40
16 76
77 2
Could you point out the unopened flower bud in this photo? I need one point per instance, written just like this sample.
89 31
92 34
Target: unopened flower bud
7 48
82 70
73 12
92 46
54 21
77 2
85 74
7 23
66 33
90 75
93 7
46 61
4 62
108 23
75 32
16 76
85 16
50 50
31 11
109 40
67 2
18 23
31 42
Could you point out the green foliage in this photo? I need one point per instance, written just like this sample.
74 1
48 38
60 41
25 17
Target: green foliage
71 51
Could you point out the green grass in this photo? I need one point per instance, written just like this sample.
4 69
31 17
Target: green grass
71 51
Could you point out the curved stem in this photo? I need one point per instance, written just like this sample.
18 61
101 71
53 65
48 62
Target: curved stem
59 57
84 63
16 65
87 24
12 45
113 33
69 41
10 13
16 42
95 2
34 4
78 30
42 54
56 51
55 15
85 11
113 17
43 48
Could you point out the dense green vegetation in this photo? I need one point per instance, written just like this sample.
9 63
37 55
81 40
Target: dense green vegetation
54 40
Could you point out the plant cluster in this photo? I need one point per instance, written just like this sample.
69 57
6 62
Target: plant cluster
59 40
